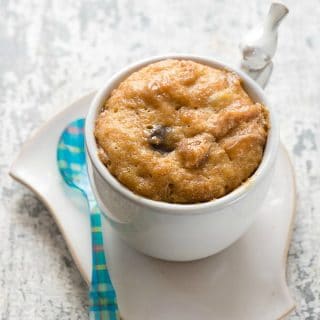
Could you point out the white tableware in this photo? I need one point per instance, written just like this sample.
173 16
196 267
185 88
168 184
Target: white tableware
259 46
244 282
180 232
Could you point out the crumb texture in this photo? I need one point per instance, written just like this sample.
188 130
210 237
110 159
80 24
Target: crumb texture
181 132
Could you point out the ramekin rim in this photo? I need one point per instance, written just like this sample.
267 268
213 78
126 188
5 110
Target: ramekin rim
267 161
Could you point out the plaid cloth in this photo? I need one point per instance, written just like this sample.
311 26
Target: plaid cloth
71 159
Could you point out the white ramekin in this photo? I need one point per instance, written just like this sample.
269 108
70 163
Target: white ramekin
179 232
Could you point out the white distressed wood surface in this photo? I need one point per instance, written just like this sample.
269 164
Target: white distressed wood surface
52 52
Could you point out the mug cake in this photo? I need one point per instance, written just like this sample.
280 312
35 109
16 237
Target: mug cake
181 132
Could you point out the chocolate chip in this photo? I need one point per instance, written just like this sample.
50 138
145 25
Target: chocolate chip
158 139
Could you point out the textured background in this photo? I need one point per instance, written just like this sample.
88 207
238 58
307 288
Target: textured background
52 52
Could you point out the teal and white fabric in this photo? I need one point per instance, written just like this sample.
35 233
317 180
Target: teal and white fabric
71 159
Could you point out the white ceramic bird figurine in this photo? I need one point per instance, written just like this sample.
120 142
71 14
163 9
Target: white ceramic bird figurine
259 46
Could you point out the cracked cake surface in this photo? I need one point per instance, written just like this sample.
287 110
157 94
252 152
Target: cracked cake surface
182 132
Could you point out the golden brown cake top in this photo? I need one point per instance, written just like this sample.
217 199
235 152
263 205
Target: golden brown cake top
179 131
